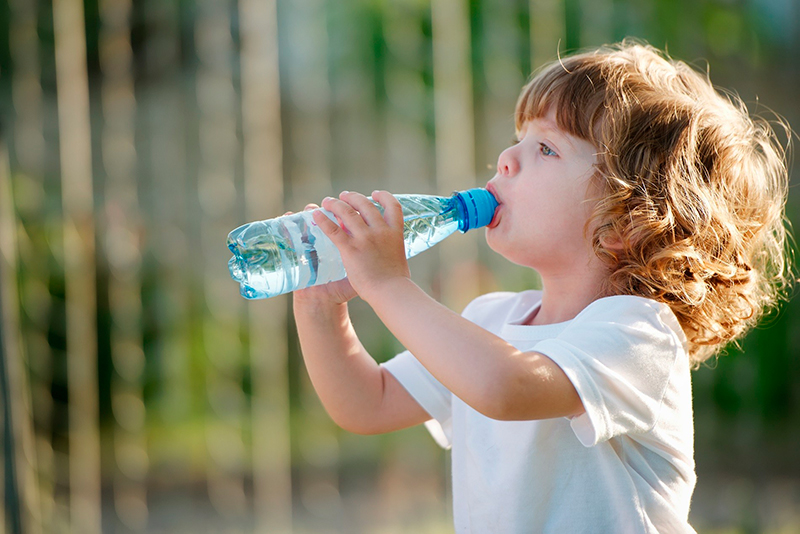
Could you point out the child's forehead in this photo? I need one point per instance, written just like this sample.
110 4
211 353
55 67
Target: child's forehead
546 124
572 101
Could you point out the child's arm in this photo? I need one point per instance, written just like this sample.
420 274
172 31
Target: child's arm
480 368
358 394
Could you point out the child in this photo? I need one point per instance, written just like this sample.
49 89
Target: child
652 208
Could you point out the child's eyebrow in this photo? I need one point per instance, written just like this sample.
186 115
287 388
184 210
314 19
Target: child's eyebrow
559 134
547 127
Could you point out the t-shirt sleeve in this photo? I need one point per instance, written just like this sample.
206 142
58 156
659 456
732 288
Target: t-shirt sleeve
619 354
428 392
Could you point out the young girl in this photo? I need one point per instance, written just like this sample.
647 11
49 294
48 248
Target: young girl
652 208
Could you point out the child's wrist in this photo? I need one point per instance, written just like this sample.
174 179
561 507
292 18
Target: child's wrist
387 288
315 305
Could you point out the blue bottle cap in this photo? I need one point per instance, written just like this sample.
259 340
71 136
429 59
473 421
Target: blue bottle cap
479 205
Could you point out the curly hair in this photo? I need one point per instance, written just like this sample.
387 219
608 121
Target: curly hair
693 187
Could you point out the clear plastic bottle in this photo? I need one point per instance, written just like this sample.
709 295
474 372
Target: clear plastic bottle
280 255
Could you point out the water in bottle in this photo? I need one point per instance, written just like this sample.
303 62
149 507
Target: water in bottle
280 255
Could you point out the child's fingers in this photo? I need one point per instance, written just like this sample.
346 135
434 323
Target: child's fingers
392 210
334 231
369 212
348 216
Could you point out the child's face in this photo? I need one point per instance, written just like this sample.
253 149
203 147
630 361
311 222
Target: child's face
542 185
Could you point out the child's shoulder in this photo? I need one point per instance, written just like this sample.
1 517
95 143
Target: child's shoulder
620 311
631 311
608 307
626 303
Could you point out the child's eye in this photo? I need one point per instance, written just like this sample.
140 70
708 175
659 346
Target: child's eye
546 150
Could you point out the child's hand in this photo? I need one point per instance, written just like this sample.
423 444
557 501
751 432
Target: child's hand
371 243
337 292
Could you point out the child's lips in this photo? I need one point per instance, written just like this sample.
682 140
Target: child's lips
496 218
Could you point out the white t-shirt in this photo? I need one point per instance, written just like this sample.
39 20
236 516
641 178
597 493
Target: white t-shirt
625 465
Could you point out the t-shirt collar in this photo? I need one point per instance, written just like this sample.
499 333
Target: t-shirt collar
526 304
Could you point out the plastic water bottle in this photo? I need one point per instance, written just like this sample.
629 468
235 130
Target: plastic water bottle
280 255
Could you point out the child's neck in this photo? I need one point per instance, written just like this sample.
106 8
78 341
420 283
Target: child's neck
564 297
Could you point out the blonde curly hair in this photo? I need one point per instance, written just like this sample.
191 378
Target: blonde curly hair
694 188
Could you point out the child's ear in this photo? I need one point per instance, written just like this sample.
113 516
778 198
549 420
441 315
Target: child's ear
611 242
609 248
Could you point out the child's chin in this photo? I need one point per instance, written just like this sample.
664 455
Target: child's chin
494 244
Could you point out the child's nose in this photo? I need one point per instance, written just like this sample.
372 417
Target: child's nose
507 164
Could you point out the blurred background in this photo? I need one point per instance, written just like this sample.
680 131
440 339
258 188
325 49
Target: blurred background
141 393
